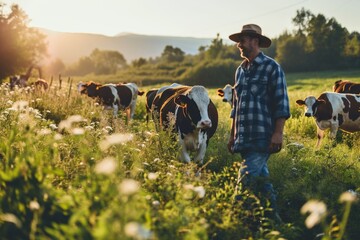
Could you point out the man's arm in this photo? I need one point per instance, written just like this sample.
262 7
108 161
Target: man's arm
277 136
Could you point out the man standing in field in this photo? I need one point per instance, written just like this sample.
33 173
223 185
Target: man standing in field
260 109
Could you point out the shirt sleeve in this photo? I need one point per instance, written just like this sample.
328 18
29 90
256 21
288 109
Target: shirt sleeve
281 105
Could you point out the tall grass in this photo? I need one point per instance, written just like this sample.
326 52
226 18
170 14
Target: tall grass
70 170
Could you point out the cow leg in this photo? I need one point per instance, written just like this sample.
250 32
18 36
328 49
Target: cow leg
115 109
128 114
333 130
132 109
202 148
184 155
201 153
320 136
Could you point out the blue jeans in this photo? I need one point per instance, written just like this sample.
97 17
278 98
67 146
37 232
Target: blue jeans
257 177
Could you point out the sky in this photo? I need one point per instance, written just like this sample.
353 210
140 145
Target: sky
184 18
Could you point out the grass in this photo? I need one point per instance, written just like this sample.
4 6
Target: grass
100 178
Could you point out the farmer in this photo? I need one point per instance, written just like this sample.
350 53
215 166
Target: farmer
260 109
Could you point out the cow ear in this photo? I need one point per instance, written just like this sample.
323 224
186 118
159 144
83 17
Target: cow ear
181 100
220 92
300 102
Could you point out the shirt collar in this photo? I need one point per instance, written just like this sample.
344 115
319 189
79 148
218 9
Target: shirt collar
257 61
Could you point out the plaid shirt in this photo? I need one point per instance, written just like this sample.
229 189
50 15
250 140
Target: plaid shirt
260 97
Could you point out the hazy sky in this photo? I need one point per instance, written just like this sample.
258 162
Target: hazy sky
188 18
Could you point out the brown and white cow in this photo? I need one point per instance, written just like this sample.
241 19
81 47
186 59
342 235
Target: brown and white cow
193 115
116 96
344 86
226 93
334 111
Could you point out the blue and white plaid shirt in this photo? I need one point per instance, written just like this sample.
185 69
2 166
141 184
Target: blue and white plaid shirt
260 97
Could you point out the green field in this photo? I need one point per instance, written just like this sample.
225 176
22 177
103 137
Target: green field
69 170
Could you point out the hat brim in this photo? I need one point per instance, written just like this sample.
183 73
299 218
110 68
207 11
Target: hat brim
264 42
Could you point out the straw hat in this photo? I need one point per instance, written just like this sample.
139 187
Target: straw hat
252 30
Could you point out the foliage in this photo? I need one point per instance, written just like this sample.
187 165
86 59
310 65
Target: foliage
99 62
20 46
60 178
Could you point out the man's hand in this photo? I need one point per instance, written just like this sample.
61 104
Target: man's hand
276 142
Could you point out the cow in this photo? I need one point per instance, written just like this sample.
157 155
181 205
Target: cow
226 93
116 96
105 94
344 86
334 111
191 114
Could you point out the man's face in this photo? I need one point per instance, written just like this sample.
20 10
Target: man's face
246 46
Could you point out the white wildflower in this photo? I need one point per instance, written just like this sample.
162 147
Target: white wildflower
317 210
156 203
106 166
129 186
77 131
58 136
137 231
119 138
53 126
19 105
89 128
348 196
200 190
67 123
44 131
34 205
152 176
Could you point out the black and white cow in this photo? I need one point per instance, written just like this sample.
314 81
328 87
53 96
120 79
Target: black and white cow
226 93
105 94
115 96
192 114
334 111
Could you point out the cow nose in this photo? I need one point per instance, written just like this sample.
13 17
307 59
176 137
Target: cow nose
308 114
205 124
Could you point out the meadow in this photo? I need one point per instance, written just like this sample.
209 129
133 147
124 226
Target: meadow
70 170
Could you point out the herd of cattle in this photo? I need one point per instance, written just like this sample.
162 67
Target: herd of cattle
189 112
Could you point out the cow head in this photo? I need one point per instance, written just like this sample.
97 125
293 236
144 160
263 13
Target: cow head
89 88
311 104
196 103
226 93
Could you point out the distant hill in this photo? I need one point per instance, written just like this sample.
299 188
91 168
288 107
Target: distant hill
69 47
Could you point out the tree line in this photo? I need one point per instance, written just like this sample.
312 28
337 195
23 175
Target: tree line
316 43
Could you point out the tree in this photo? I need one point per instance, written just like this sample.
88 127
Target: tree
20 46
171 54
215 48
139 62
107 62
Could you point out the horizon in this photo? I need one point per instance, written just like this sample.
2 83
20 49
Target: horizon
203 19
